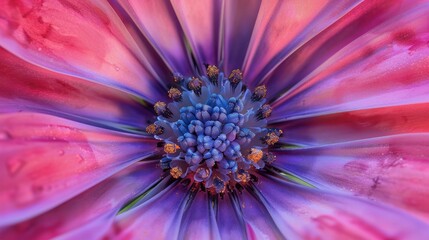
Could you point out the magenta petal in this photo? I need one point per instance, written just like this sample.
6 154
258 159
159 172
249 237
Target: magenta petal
159 217
38 89
230 219
49 160
356 125
282 27
390 170
259 224
200 220
240 18
354 77
84 39
201 23
88 215
313 214
162 30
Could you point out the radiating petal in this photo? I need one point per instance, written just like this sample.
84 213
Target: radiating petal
24 86
313 214
159 217
356 125
48 160
201 23
89 214
240 18
162 30
282 27
378 65
258 221
79 38
389 170
200 220
230 219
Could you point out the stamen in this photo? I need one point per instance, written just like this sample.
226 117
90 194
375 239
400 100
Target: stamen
205 140
213 74
195 85
175 94
219 185
235 77
255 155
269 158
161 109
171 148
264 111
176 172
260 93
272 137
178 78
243 176
154 129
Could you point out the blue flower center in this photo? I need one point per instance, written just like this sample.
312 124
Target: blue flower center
215 130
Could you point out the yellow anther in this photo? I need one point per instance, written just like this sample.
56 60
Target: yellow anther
255 155
175 94
171 148
243 177
212 72
151 129
265 111
236 76
154 129
271 138
259 93
176 172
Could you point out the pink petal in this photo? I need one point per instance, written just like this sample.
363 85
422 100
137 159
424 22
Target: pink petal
49 160
88 215
313 214
230 220
259 224
201 23
158 218
85 39
389 170
282 27
38 89
356 125
200 220
240 18
380 64
158 23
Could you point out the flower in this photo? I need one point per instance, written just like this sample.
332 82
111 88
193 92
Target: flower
214 119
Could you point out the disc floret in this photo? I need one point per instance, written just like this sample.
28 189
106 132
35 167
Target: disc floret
215 129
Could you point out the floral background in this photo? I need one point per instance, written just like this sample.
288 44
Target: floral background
347 80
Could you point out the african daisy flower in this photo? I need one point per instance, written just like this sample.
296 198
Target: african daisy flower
235 119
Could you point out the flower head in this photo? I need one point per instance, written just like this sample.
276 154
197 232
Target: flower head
214 119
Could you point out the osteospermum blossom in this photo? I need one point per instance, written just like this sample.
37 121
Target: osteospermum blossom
233 119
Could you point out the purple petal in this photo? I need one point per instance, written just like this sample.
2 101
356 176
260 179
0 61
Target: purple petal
390 170
356 125
83 39
339 71
313 214
49 160
38 89
162 30
158 217
201 23
88 215
282 27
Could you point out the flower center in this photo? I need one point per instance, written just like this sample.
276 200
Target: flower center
215 130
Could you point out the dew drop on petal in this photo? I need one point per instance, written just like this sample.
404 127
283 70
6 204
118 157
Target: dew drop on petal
4 135
14 165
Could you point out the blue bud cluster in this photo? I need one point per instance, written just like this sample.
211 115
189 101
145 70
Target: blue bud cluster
217 127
